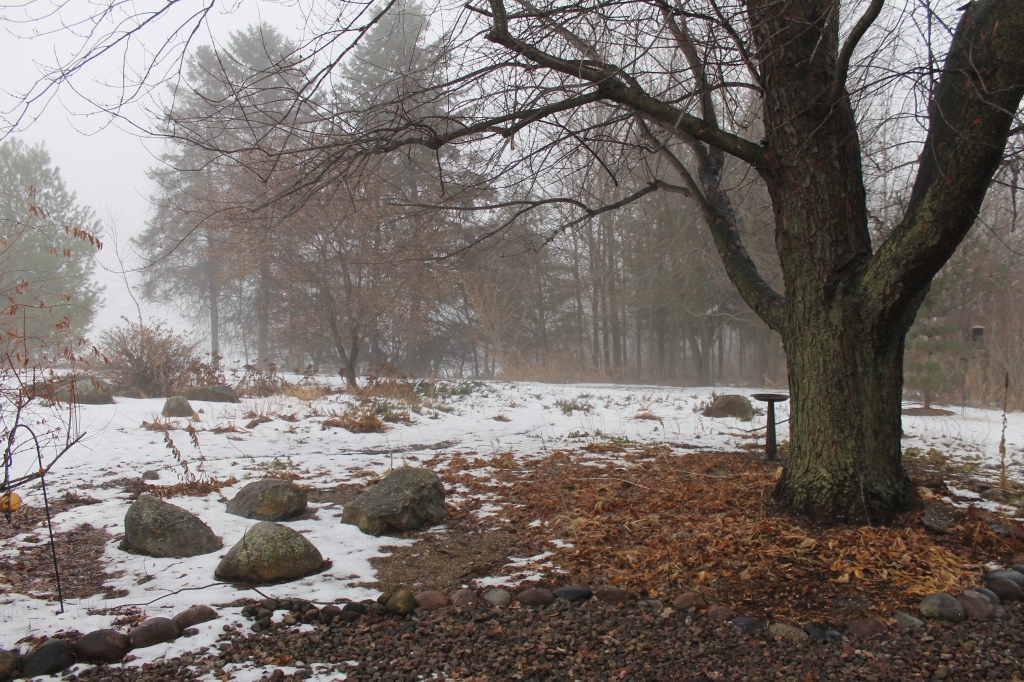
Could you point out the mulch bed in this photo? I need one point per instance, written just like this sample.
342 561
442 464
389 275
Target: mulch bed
660 524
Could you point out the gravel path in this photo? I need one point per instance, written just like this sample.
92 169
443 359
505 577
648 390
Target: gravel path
591 641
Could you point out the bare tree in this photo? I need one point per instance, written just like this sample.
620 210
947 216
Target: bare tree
662 91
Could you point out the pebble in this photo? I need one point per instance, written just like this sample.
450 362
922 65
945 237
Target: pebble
153 631
537 596
49 658
943 607
689 600
823 632
614 595
573 593
499 597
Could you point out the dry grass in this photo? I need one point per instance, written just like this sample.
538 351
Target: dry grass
361 421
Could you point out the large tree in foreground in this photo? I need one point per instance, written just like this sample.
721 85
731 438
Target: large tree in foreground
667 94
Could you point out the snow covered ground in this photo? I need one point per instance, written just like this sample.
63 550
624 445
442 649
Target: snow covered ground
491 418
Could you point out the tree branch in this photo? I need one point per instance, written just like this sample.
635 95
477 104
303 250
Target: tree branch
846 54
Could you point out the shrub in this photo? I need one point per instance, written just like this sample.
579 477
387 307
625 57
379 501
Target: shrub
146 361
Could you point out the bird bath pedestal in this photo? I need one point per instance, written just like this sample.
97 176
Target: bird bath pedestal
771 451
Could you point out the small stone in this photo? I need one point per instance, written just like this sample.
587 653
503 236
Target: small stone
8 665
194 616
906 621
941 672
977 606
787 632
271 605
1012 576
264 613
290 620
823 632
431 600
264 623
1006 590
49 658
353 607
614 595
748 625
101 646
311 615
151 475
498 597
573 593
284 604
689 600
652 605
177 406
720 612
538 596
865 627
943 607
401 603
153 631
464 598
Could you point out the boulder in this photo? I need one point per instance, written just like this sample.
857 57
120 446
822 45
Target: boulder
272 499
536 597
406 499
1006 590
157 528
83 389
177 406
212 394
498 597
153 631
269 553
8 665
102 646
49 658
737 406
401 603
194 616
943 607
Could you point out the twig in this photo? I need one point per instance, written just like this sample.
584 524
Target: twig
184 589
608 478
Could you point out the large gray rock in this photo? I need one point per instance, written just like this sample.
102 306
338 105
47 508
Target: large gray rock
940 518
737 406
269 553
272 499
212 394
160 529
177 406
83 389
1004 574
943 607
406 499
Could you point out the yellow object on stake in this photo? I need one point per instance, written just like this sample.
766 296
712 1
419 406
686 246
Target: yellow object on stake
10 502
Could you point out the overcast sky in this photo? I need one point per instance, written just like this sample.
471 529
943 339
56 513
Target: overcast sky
104 162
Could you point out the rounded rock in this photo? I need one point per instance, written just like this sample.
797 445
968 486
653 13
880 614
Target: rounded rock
943 607
401 603
573 593
102 646
194 616
906 621
614 595
464 598
430 600
537 596
976 605
720 612
787 632
272 499
269 553
1012 576
153 631
49 658
865 627
499 597
159 529
1007 590
177 406
689 600
8 664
